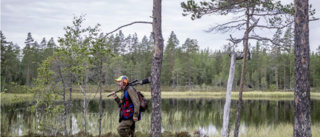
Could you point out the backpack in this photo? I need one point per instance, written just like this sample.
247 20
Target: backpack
142 100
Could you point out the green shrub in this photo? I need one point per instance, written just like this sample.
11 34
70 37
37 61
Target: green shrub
15 88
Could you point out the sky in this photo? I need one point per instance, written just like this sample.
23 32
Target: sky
47 18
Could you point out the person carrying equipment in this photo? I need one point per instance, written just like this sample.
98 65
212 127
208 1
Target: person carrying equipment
129 107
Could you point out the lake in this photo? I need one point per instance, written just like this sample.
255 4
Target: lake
201 115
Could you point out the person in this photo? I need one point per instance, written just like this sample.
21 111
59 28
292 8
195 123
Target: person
129 107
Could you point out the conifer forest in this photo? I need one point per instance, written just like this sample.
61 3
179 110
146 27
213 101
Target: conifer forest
264 80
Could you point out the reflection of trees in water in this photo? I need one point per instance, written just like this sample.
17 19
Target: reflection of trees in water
177 115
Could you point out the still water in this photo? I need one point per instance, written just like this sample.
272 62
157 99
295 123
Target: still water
203 115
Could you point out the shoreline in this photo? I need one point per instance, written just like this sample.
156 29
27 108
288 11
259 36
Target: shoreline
8 98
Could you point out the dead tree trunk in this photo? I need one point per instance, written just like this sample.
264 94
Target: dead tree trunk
226 111
85 98
38 116
84 107
302 119
189 75
87 79
156 70
84 111
70 102
100 98
64 102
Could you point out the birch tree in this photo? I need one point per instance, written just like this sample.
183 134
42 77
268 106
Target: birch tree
73 54
99 52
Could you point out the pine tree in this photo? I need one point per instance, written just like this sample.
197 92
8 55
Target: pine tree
28 58
3 49
169 60
43 44
190 47
3 45
256 64
275 52
29 41
122 43
302 119
50 48
288 47
10 66
156 69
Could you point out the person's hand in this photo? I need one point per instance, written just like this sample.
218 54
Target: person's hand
114 94
135 119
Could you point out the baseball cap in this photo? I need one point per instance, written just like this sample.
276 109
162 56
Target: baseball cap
121 78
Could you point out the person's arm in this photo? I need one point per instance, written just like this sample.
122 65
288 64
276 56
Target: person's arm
116 98
135 100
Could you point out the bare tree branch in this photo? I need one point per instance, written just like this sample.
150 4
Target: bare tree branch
256 37
254 24
82 89
314 19
225 28
236 41
274 27
135 22
269 14
283 26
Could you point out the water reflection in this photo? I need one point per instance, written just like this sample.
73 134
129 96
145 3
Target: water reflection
202 115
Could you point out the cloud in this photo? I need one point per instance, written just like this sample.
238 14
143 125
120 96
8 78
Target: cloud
46 18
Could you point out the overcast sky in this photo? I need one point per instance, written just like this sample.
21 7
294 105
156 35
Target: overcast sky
46 18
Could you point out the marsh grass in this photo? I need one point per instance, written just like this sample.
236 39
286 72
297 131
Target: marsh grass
9 98
280 130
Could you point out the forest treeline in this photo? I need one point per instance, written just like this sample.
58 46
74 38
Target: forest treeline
185 65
